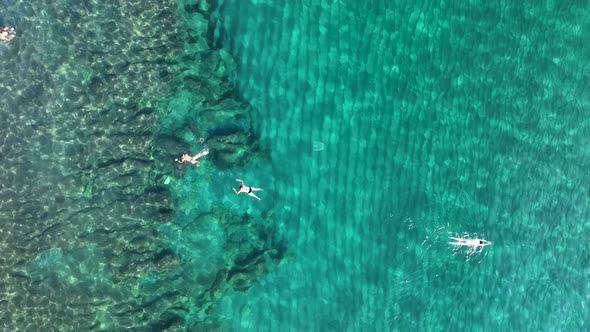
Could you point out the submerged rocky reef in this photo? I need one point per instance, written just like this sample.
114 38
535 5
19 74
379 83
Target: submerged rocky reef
100 103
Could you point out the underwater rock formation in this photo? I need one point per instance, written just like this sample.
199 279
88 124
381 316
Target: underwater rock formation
206 108
220 252
85 150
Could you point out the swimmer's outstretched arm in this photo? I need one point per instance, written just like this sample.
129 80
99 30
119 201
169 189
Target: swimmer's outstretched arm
234 189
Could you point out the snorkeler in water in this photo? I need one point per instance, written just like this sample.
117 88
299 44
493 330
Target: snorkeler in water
7 33
194 159
245 189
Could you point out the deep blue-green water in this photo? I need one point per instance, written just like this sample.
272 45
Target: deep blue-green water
376 129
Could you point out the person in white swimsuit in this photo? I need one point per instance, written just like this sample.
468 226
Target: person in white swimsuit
475 245
469 242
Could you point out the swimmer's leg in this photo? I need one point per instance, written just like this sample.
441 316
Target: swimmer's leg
252 194
458 241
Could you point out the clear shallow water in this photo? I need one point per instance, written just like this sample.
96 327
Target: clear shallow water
435 120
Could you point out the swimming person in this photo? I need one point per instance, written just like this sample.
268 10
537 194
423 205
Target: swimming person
7 33
473 244
245 189
193 160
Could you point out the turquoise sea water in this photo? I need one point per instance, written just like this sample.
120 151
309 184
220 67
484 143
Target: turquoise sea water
436 119
377 129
